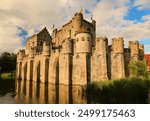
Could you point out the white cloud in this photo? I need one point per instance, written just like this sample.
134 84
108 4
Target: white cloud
110 14
33 15
142 4
146 18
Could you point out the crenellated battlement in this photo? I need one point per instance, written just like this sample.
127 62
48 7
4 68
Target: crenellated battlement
118 45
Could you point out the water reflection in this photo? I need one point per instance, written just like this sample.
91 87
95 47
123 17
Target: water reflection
7 91
46 93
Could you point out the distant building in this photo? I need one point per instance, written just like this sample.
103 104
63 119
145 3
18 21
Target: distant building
147 58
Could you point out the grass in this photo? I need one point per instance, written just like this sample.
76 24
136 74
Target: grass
123 91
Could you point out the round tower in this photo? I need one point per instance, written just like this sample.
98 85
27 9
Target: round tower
67 46
83 41
118 45
77 21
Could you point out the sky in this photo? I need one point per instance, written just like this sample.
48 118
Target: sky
20 19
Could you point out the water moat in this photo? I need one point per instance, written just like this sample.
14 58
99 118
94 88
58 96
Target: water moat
29 92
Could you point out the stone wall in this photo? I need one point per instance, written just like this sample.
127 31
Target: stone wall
73 55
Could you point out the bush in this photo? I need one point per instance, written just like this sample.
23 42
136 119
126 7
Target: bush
124 91
138 69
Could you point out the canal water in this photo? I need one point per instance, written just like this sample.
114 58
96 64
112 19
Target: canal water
28 92
7 91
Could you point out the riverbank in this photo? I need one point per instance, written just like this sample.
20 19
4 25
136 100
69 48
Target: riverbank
124 91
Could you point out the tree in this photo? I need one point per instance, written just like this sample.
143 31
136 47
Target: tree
7 62
138 69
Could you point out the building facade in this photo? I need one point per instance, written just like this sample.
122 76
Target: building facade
74 55
147 59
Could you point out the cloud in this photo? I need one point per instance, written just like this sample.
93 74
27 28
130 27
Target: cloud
32 15
147 49
110 15
142 4
146 18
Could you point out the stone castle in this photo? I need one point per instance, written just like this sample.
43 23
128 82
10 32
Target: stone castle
73 55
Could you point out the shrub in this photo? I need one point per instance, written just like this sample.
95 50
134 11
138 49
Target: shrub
124 91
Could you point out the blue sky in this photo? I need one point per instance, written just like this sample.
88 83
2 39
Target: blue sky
129 19
136 15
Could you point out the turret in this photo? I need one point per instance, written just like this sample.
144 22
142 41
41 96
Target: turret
83 41
134 49
99 60
117 58
101 44
77 21
118 45
67 46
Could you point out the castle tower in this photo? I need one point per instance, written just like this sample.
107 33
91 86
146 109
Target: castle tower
99 60
77 21
65 70
134 50
81 59
117 58
65 62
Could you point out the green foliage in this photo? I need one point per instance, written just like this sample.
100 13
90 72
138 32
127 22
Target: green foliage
7 76
138 69
7 62
124 91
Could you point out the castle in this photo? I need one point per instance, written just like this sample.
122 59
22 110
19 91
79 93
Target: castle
73 55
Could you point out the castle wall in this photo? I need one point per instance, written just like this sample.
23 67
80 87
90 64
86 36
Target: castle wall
64 69
53 68
134 49
126 61
79 69
73 57
31 42
117 59
99 60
